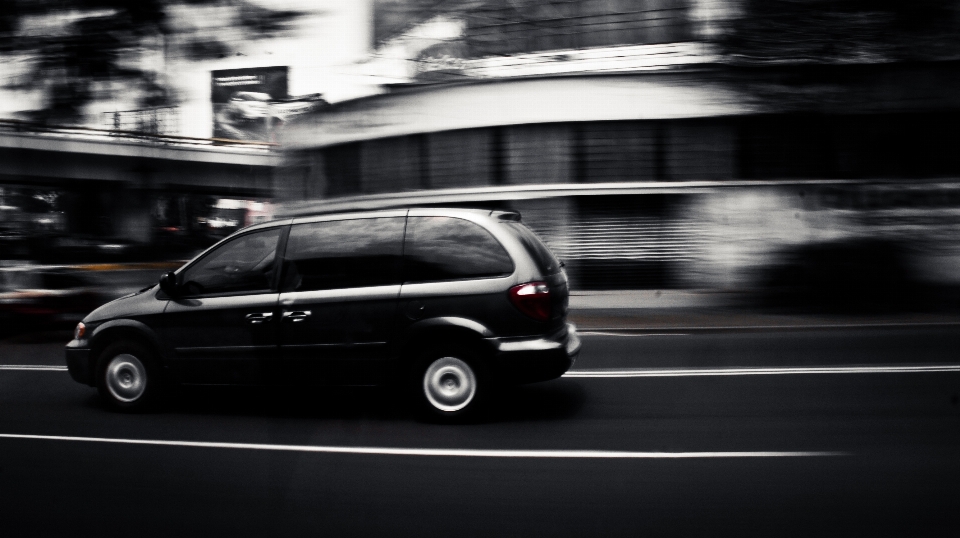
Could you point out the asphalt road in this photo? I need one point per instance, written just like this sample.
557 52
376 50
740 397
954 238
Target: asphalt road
805 433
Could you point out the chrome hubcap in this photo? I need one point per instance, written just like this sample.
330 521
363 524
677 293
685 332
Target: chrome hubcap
449 384
126 377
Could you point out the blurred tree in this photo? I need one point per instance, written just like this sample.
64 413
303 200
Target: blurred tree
77 49
843 31
392 18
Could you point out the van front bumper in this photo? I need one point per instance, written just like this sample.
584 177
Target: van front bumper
527 360
78 362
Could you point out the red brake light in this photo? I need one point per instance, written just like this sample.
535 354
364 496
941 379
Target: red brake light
533 299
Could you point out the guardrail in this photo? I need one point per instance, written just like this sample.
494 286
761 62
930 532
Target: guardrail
20 126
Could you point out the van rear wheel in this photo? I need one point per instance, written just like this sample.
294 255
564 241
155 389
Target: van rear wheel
451 384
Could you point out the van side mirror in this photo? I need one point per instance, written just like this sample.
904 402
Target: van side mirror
168 283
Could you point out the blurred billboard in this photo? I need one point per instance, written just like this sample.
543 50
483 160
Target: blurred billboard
241 101
252 104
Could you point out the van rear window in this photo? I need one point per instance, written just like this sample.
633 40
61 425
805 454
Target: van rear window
542 256
447 248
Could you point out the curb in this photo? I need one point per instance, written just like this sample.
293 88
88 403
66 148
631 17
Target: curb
639 331
640 321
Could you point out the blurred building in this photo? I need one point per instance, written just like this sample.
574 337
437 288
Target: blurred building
646 152
117 127
643 158
469 39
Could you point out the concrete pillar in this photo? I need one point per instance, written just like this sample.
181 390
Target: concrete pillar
132 215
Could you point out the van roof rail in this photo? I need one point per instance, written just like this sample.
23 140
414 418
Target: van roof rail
513 216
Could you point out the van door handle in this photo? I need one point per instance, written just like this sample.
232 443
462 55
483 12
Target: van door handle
259 317
296 316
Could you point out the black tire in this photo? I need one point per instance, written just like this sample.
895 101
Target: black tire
127 377
450 384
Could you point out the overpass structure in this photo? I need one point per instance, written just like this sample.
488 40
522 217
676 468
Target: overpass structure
110 181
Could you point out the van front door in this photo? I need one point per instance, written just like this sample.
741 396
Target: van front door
222 326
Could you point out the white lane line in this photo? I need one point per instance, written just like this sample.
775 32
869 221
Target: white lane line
694 372
668 372
816 326
37 367
604 333
456 452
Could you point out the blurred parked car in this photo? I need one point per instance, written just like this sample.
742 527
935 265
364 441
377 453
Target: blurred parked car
863 275
38 297
83 249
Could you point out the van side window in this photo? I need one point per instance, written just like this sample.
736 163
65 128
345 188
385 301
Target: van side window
340 254
242 266
446 248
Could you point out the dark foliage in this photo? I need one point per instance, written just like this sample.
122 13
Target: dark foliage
95 38
829 31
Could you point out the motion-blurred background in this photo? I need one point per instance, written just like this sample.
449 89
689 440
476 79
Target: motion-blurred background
782 155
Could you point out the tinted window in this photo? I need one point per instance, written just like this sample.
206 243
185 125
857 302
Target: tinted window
445 248
246 264
344 254
545 260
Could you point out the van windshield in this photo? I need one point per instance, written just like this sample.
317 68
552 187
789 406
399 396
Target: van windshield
542 256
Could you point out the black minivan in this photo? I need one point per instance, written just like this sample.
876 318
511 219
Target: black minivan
448 301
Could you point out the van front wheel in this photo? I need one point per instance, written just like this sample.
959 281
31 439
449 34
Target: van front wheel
126 376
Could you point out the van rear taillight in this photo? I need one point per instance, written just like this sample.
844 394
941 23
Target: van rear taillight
533 299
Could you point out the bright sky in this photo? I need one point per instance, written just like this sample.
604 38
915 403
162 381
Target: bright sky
322 53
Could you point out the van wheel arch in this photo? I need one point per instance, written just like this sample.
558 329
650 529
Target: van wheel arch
116 334
444 337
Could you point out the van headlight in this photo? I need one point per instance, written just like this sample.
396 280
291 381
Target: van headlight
80 331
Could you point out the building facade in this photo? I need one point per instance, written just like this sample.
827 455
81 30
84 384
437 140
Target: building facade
647 181
643 157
